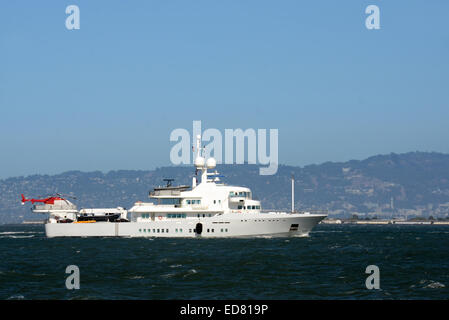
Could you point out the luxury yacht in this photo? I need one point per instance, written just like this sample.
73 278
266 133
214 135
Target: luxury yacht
208 208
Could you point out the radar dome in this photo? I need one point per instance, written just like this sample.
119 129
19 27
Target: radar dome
211 163
199 162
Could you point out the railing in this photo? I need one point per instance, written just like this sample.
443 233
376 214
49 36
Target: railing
312 211
199 207
165 193
239 196
53 207
296 211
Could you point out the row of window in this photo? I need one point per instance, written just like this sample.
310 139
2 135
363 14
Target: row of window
243 194
190 201
204 215
177 201
249 207
213 230
154 230
176 215
176 230
169 201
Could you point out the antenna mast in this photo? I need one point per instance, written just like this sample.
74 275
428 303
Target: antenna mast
293 193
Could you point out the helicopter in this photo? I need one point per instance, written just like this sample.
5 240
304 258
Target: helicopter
49 200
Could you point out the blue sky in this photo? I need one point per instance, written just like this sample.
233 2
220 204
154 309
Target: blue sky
107 96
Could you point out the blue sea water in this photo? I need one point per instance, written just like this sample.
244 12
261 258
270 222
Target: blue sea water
329 264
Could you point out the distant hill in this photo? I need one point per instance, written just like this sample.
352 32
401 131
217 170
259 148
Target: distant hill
413 184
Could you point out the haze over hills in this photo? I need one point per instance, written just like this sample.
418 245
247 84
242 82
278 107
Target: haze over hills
410 184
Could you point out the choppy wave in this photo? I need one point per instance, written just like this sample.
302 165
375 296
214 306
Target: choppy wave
17 237
136 277
430 284
168 275
15 232
329 264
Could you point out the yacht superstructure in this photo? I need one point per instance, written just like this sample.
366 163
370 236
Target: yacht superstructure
208 208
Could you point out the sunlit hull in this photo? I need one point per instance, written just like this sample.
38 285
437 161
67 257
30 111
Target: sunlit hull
223 226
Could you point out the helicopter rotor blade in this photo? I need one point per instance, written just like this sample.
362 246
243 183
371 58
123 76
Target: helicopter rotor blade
66 196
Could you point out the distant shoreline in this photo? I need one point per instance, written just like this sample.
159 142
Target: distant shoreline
383 222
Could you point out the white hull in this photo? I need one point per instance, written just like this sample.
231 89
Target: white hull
224 226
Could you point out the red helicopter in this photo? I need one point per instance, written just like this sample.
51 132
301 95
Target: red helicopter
49 200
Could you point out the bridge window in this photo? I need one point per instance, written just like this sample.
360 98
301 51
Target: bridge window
192 201
241 194
170 201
